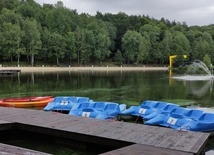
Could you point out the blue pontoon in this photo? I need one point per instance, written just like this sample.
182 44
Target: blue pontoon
176 118
99 110
141 109
168 119
65 103
166 110
204 123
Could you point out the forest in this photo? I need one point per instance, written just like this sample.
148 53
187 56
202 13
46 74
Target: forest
55 34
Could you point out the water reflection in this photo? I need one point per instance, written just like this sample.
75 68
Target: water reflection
199 91
130 87
197 88
134 86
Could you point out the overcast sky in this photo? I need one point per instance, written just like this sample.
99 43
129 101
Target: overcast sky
193 12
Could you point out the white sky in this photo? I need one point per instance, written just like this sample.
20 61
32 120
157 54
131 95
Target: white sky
193 12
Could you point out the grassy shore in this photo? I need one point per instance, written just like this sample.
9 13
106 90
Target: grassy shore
58 69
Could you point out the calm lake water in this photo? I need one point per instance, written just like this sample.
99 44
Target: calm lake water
123 87
128 87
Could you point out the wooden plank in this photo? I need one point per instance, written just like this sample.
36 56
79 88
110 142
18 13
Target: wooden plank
4 122
145 150
13 150
7 111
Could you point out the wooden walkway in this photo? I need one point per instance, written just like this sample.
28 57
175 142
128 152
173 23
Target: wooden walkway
136 149
13 150
122 136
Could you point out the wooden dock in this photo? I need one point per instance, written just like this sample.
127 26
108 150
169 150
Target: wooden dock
13 150
122 137
136 149
9 72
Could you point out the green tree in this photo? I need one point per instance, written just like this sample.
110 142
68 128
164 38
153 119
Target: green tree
153 31
102 42
31 39
181 44
11 41
59 19
112 34
88 44
102 47
208 38
1 43
29 9
9 4
45 38
166 46
56 47
207 60
132 45
79 40
121 23
203 44
200 49
144 49
71 46
118 58
10 16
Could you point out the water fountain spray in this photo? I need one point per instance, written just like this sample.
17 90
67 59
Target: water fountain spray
193 68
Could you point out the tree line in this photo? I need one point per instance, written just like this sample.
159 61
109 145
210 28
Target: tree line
56 34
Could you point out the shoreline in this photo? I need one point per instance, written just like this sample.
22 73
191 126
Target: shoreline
60 69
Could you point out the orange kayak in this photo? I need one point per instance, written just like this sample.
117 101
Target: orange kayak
26 99
27 104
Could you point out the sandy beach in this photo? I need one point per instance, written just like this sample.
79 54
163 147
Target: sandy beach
60 69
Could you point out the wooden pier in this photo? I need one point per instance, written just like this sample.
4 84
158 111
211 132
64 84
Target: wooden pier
121 137
9 72
13 150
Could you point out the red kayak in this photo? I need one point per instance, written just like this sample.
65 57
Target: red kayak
27 99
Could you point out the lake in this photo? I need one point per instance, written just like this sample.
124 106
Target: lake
130 87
